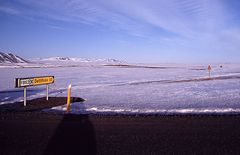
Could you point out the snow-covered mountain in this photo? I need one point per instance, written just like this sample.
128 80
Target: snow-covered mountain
14 61
11 58
77 60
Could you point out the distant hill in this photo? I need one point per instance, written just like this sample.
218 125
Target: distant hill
77 60
11 58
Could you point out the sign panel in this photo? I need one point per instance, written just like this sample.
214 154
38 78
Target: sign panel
33 81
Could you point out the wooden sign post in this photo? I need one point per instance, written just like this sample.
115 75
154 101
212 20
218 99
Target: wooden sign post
25 96
33 81
209 71
47 89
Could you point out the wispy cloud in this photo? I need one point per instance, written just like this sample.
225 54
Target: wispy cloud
184 17
9 10
199 23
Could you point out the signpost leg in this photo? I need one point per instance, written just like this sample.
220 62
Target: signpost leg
25 96
47 92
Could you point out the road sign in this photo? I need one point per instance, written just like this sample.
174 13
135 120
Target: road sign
209 71
33 81
209 68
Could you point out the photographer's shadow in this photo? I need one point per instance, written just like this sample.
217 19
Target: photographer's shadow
74 135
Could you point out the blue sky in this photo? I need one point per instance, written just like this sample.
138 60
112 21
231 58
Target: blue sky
132 30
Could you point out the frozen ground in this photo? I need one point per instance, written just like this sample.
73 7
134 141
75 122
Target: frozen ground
156 88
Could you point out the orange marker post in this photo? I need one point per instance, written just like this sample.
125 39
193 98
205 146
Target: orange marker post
69 98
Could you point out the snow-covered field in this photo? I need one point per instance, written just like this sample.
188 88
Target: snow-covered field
156 88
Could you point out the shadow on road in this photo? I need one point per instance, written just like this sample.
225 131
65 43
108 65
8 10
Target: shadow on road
74 135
